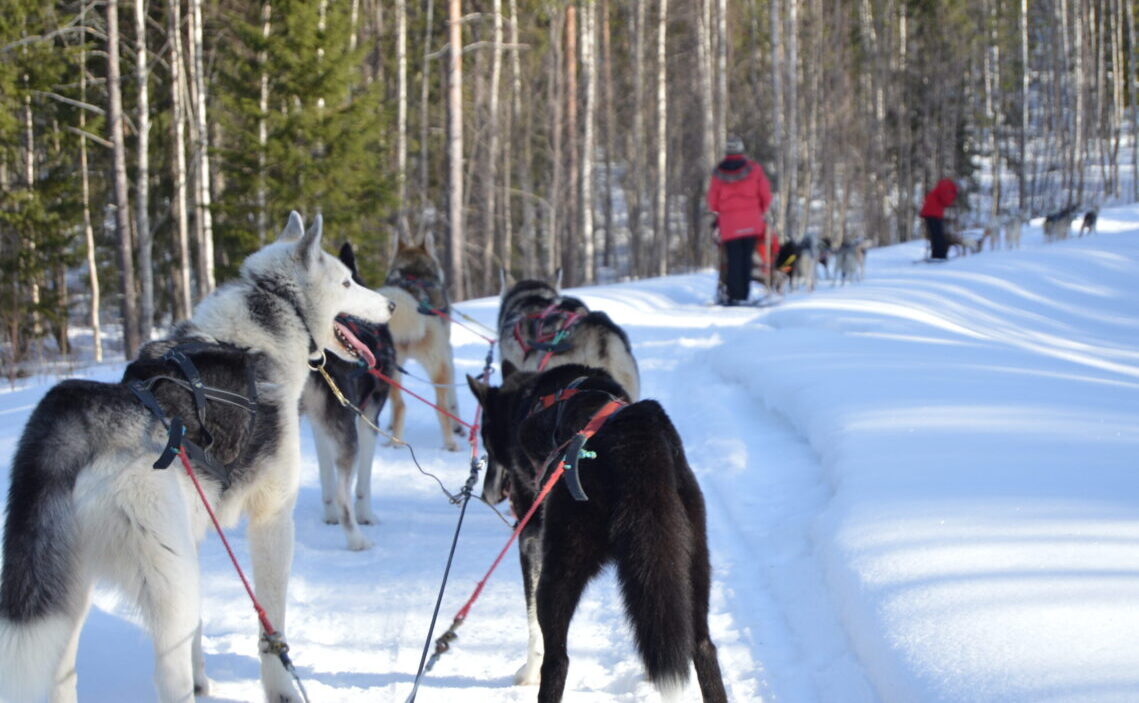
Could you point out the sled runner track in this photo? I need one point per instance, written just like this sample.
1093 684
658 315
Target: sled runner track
762 551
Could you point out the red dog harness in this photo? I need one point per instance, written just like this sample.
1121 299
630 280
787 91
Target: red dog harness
574 449
546 331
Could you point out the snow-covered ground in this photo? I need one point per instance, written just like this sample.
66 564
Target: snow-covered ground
924 487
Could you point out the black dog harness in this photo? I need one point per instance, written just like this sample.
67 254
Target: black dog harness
572 450
179 358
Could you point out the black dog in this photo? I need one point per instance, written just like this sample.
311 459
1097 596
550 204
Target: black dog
1088 225
643 511
346 445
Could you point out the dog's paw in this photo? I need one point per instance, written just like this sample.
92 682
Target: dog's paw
283 696
359 543
450 446
276 682
529 675
202 686
365 516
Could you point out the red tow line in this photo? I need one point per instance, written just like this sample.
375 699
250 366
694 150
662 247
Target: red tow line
275 642
591 428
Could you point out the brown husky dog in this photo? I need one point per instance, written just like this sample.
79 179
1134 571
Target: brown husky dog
421 329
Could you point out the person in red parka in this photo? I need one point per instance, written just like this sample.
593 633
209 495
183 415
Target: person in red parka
739 193
933 212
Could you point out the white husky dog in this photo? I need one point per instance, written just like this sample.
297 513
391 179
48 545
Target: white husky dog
85 503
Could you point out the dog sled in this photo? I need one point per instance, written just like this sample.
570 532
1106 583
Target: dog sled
762 272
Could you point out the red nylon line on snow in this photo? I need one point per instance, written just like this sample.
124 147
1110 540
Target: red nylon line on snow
265 624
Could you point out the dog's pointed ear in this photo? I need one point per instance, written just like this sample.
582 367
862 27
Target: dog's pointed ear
294 228
508 369
428 242
308 248
558 280
479 389
501 281
348 256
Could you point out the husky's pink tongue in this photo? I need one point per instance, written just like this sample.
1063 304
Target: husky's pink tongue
360 347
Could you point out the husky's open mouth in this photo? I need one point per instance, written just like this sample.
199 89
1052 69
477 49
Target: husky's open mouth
350 342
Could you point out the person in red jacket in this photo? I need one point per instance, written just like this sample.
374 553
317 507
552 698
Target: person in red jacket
933 212
739 193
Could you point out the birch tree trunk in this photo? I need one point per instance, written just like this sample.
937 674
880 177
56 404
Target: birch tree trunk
777 98
88 232
142 183
30 182
1134 77
263 129
1079 149
127 305
203 220
721 72
528 234
494 244
992 91
661 223
424 107
557 91
794 138
704 70
401 101
455 150
1118 74
639 157
610 156
571 222
1022 172
178 92
589 69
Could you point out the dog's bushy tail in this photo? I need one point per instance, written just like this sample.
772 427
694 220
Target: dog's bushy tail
653 547
38 581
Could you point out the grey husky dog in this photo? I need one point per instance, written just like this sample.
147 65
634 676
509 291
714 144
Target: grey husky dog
530 316
86 504
850 261
345 443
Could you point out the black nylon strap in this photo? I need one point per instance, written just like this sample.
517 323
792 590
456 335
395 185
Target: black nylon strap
572 477
173 444
177 438
197 388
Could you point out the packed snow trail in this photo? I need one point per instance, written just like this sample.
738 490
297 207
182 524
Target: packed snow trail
357 620
921 487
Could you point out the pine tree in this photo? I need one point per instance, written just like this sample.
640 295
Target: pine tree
325 151
39 193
